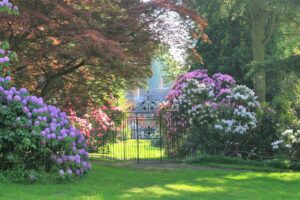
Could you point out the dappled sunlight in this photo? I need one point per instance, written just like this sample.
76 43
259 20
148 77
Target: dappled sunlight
174 189
285 176
279 176
89 198
211 180
154 190
242 176
193 188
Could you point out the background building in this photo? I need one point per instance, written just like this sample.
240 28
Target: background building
147 99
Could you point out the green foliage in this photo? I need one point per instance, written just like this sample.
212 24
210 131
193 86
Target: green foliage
283 90
244 30
267 131
285 113
287 65
230 47
13 10
28 177
171 68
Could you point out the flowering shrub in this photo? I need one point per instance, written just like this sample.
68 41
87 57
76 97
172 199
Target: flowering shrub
237 115
289 143
6 6
97 126
216 100
35 135
215 105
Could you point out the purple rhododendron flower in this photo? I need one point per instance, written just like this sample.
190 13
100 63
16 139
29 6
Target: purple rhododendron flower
7 78
78 173
69 171
59 161
61 172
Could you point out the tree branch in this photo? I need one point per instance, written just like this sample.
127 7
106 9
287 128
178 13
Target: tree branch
53 76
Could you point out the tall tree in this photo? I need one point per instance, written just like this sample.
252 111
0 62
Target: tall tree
263 18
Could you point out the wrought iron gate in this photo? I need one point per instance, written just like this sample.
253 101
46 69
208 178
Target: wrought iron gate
145 136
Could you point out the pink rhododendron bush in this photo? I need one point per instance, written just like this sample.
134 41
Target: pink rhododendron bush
215 113
36 137
98 127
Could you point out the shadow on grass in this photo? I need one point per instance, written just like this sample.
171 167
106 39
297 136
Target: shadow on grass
110 182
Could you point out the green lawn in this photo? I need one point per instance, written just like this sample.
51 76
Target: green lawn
127 150
110 182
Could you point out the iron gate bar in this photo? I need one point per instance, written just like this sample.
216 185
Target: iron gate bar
160 138
123 136
137 135
144 136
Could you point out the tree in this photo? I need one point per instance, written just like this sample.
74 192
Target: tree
262 17
62 47
82 52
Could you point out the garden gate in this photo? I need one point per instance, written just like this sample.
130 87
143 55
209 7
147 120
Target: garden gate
145 135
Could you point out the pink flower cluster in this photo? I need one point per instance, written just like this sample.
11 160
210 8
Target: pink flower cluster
96 125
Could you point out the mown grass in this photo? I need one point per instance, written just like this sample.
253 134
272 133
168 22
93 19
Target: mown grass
130 149
238 163
110 182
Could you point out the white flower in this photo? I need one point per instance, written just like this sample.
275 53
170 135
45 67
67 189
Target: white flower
288 146
217 126
287 132
276 142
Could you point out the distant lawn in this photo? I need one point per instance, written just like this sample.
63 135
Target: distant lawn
110 182
128 150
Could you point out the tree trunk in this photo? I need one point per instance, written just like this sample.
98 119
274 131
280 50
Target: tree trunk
258 51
